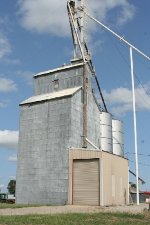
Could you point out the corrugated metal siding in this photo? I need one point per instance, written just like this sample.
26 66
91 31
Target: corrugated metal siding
69 78
86 182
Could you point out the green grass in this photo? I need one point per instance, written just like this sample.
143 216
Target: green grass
13 206
78 219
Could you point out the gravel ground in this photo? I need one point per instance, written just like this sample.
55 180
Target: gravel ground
72 209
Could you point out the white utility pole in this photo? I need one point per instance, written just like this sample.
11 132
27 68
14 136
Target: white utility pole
135 127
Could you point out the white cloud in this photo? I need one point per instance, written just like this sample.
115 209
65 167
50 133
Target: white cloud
120 99
5 47
27 76
95 45
12 177
12 158
46 16
126 14
50 16
9 139
101 8
7 85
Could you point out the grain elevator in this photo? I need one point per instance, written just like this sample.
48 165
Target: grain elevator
70 150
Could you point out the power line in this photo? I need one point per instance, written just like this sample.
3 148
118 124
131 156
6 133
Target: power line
140 154
140 163
125 60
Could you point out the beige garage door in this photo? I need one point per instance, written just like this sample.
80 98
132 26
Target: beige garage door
86 182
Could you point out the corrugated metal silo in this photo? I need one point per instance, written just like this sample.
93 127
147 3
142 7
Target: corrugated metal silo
106 131
117 135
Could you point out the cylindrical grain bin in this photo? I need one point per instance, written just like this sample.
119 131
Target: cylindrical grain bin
117 135
106 131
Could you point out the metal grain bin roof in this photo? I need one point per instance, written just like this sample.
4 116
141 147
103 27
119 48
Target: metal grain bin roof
49 96
58 69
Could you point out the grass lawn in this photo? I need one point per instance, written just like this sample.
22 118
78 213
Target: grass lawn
78 219
13 206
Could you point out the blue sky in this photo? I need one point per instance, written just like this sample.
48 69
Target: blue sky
35 36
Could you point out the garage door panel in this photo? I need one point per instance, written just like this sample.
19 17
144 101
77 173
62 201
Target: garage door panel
86 182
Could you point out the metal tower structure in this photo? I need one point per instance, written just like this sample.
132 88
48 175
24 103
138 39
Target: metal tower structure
77 23
76 15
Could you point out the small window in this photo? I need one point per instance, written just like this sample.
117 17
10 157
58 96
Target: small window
56 84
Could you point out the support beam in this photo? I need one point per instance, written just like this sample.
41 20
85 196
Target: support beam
140 179
118 36
101 95
75 30
82 20
94 146
84 106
